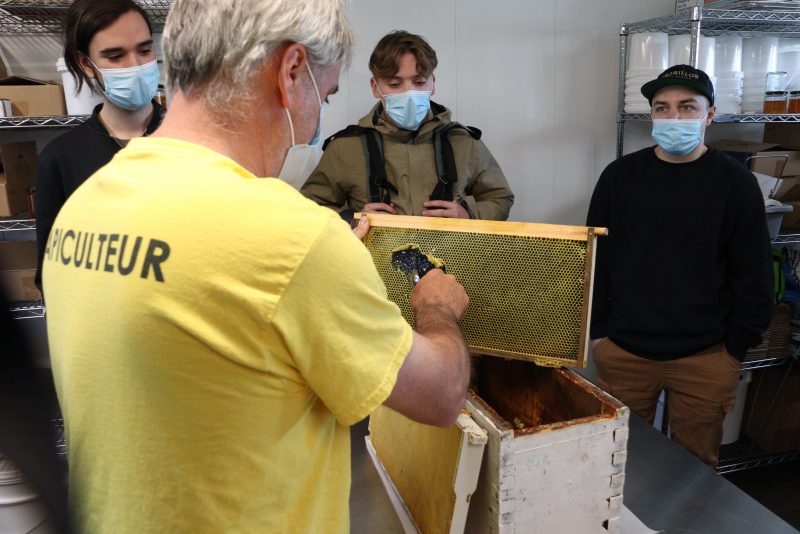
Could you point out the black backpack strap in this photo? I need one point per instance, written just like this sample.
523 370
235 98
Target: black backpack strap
350 131
378 186
445 159
380 190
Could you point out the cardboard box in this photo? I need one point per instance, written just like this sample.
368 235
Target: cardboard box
767 158
785 135
791 220
19 173
772 412
33 98
18 270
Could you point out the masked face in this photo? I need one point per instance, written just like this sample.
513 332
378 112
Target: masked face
130 88
678 137
408 109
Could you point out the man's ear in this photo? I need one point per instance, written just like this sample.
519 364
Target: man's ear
291 62
712 112
373 83
433 84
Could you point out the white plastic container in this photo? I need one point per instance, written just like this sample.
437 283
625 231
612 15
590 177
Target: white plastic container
728 54
759 55
775 217
733 421
82 103
680 52
648 51
20 507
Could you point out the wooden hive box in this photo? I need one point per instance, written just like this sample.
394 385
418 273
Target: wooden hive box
551 446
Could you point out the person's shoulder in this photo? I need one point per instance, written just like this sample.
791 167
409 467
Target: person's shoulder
460 130
729 163
733 174
634 159
348 137
72 142
71 139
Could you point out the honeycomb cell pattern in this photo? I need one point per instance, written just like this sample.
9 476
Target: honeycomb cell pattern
526 293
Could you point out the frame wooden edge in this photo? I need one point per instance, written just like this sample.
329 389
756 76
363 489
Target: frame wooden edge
588 289
553 231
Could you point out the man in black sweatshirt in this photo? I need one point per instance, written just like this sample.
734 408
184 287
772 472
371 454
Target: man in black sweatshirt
683 283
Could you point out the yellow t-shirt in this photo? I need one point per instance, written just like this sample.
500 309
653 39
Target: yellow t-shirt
212 336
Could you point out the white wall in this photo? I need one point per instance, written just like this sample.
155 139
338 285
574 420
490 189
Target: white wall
538 77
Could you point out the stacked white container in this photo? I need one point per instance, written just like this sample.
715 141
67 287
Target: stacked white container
21 510
759 56
81 103
728 69
680 52
648 56
789 61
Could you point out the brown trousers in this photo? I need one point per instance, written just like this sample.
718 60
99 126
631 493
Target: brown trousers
701 390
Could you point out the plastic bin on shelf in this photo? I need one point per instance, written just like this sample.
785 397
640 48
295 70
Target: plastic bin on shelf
82 103
775 216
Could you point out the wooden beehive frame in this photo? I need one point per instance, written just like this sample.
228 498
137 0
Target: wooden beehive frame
580 234
453 484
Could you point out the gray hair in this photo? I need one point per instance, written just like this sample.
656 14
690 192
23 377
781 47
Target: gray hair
213 48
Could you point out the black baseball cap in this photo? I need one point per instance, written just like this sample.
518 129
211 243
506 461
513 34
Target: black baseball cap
685 75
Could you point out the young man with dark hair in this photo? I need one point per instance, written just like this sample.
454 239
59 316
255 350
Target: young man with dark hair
683 280
407 156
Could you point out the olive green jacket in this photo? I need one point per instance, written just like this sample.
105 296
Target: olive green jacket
341 178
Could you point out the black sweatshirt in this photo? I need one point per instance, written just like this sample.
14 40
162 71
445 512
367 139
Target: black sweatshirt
686 264
66 162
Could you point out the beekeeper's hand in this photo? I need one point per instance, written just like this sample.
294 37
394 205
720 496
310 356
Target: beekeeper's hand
361 228
439 293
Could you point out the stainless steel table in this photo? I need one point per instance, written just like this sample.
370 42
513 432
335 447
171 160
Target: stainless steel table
671 490
665 486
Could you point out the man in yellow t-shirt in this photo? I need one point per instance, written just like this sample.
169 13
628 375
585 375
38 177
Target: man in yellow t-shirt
214 334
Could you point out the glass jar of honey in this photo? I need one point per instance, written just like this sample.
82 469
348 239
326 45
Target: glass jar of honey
775 102
31 196
794 101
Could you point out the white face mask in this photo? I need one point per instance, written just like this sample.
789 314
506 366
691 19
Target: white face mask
300 162
302 159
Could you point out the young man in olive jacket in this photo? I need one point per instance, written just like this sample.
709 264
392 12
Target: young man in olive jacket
406 156
683 282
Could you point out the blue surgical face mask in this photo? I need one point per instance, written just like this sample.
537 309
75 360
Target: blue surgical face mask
678 137
408 109
130 88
